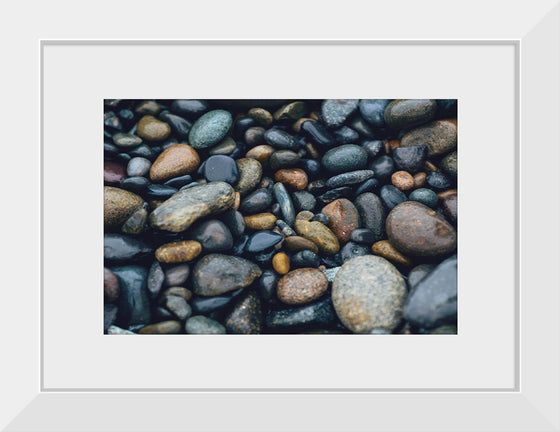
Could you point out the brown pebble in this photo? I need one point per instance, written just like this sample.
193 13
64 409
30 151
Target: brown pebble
344 218
260 221
281 263
152 129
261 153
118 206
312 151
402 180
261 116
113 173
148 107
293 178
164 327
444 194
314 115
393 144
254 136
174 161
449 206
430 166
419 180
297 243
385 249
110 286
178 291
318 233
154 204
177 252
237 201
302 286
297 124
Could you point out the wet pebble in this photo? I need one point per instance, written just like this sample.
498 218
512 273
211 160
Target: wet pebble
438 181
334 112
392 196
213 235
385 249
292 178
343 218
250 174
246 316
439 136
349 178
411 158
262 240
363 236
220 168
152 129
352 250
120 248
210 129
305 258
178 252
177 275
203 325
348 157
110 286
260 221
302 286
405 113
424 196
177 160
285 202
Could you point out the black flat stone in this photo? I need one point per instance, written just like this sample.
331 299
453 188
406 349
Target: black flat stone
178 182
190 108
410 159
267 285
256 202
281 139
213 235
305 258
262 240
241 125
303 200
371 185
372 111
220 168
363 236
438 181
352 250
234 221
364 129
133 303
318 133
382 167
179 126
159 192
319 314
135 184
120 248
392 196
286 206
311 167
331 195
373 148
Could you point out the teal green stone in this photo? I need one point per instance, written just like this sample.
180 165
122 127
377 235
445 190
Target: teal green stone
210 129
424 196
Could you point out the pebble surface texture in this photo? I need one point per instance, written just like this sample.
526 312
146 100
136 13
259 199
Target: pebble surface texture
332 216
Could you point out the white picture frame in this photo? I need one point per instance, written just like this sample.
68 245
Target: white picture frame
530 405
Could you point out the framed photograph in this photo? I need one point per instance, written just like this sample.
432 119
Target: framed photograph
492 363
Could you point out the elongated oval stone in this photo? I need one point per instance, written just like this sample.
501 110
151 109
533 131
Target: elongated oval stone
302 286
318 233
210 129
118 206
186 206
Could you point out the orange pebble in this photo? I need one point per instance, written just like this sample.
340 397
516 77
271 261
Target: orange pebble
281 263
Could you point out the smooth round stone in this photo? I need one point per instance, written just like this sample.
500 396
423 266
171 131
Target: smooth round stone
368 294
148 107
303 200
319 314
179 182
254 136
352 250
280 139
402 180
311 166
371 185
372 111
433 301
113 173
155 279
159 192
318 133
424 196
392 196
418 273
316 232
405 113
449 206
177 160
305 258
415 229
267 285
226 147
410 159
126 140
261 116
178 306
291 111
283 159
262 240
382 167
363 236
178 252
334 112
250 174
185 207
118 206
246 316
178 291
203 325
281 263
349 178
438 181
449 164
120 248
220 168
210 129
179 126
348 157
234 221
343 218
189 108
135 184
143 150
177 275
138 166
164 327
213 235
134 304
241 125
110 286
385 249
152 129
256 202
439 136
302 286
285 202
217 274
261 153
260 221
293 178
372 213
297 243
373 148
110 151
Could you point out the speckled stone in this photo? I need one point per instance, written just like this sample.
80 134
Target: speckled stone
349 178
152 129
186 206
302 286
439 136
291 111
155 279
250 174
261 153
246 316
417 230
348 157
178 252
316 232
331 273
402 180
164 327
260 221
343 218
217 274
293 178
368 294
175 161
261 116
318 314
203 325
424 196
405 113
286 204
126 141
138 166
385 249
297 243
118 206
210 129
334 112
449 164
